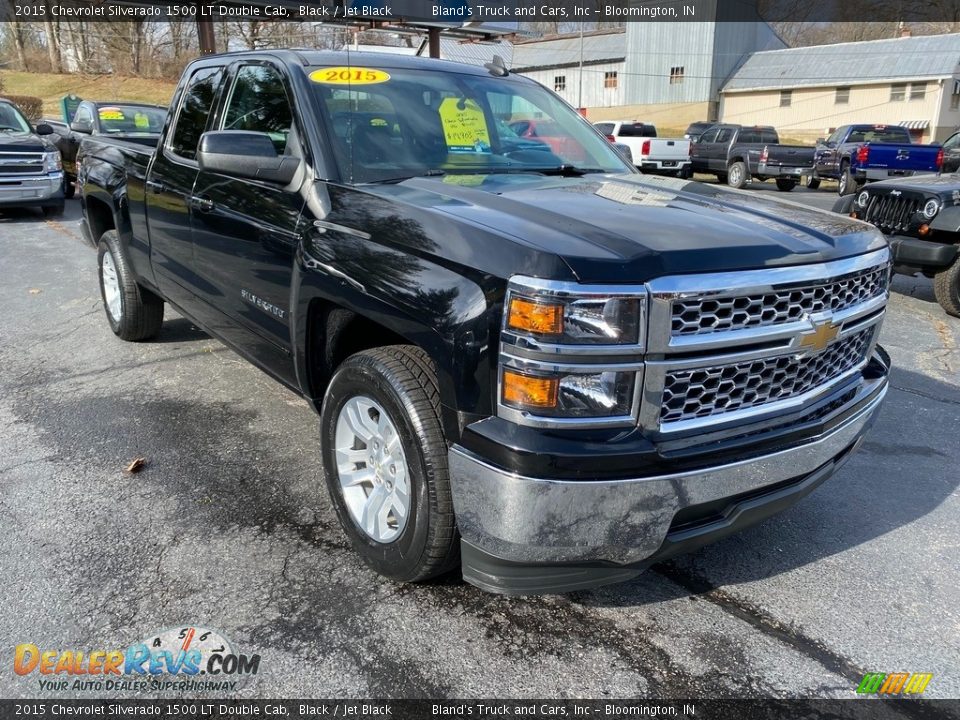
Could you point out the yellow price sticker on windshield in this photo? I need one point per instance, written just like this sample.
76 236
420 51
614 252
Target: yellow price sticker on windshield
349 76
464 126
111 113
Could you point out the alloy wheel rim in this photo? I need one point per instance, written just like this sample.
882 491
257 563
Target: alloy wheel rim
111 287
735 175
372 469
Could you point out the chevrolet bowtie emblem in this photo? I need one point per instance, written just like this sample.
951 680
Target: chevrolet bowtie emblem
823 334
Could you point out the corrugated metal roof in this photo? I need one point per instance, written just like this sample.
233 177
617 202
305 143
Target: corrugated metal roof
565 50
472 53
849 63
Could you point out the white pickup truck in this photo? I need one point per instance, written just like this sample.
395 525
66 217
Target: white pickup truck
663 156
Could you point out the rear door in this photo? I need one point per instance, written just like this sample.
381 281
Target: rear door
169 187
245 231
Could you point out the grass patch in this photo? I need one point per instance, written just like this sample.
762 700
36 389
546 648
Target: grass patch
51 87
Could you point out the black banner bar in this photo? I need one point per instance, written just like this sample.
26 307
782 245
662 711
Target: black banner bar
696 709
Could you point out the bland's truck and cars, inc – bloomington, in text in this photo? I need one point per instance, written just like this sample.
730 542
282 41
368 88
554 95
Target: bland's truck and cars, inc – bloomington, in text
529 361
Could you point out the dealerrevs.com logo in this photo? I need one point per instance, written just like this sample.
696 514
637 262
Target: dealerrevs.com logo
182 659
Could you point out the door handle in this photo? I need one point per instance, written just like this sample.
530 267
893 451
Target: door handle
155 186
201 203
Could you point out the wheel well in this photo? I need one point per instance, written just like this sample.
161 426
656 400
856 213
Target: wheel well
734 160
100 218
334 334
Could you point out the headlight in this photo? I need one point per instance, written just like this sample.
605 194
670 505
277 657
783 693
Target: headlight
567 314
563 348
52 162
862 199
931 208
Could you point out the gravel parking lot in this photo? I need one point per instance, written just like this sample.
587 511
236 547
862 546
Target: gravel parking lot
228 527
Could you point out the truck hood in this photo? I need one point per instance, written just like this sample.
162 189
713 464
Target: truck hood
24 142
633 228
936 184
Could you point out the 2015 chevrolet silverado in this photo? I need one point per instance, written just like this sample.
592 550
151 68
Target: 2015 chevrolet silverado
529 360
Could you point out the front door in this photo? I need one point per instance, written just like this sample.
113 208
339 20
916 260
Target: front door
245 231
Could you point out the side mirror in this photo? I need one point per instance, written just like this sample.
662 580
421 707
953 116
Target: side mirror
244 154
82 126
44 129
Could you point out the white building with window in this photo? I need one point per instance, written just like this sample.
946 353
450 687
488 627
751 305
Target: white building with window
808 92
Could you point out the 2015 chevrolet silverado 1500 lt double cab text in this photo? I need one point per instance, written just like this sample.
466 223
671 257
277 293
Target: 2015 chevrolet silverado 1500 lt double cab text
530 360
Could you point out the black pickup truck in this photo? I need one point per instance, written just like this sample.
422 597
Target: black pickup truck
736 153
921 217
529 361
134 121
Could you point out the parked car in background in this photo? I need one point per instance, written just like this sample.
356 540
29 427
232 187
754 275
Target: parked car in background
550 373
951 154
31 172
735 154
856 154
696 129
547 132
921 217
659 156
134 121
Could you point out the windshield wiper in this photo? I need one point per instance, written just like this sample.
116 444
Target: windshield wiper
387 181
566 170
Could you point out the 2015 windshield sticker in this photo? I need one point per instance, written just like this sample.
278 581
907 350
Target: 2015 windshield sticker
349 76
111 113
464 126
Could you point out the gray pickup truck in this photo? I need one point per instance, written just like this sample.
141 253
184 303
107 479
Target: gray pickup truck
31 173
736 154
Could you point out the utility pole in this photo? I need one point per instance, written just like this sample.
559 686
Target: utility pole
206 36
580 89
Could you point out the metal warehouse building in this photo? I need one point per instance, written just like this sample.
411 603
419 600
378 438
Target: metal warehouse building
808 92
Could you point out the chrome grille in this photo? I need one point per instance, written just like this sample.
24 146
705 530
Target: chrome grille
702 392
891 212
21 163
693 316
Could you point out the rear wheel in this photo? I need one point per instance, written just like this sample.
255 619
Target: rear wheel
946 288
786 184
737 175
848 183
385 461
69 189
134 313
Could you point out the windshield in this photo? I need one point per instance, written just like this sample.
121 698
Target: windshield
131 119
389 124
12 120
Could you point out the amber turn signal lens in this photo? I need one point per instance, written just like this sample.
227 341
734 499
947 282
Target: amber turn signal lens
529 391
534 317
923 230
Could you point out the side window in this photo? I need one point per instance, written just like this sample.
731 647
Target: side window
709 136
259 103
952 142
195 109
724 135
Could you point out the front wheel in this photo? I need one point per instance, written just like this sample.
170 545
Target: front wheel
385 461
786 184
737 175
813 182
134 313
69 189
946 288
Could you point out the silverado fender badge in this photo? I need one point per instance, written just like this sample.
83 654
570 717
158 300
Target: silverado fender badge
823 334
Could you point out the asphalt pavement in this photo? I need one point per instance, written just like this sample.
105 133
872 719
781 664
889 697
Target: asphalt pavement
228 527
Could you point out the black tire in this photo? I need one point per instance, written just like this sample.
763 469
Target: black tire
721 177
946 288
813 182
402 380
69 189
53 210
737 175
685 174
786 184
848 183
141 311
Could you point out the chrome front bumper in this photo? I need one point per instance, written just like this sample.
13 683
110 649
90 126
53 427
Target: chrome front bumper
15 190
538 521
